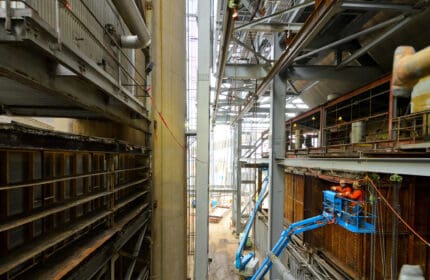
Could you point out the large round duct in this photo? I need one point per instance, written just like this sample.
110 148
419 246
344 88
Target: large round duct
420 99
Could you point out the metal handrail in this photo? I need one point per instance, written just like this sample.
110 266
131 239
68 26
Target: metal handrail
105 48
414 126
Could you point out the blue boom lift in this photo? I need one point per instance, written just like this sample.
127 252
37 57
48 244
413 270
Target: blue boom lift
346 213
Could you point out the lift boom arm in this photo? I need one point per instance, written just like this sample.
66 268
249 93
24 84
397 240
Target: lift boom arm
295 228
241 260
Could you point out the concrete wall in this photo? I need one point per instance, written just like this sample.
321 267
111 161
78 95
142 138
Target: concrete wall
169 85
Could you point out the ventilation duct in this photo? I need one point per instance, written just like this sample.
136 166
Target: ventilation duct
133 19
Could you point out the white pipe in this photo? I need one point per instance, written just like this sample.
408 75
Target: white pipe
133 19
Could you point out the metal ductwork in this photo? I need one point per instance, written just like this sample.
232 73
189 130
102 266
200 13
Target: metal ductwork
133 18
408 68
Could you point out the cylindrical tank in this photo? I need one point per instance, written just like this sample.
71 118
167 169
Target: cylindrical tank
358 130
420 101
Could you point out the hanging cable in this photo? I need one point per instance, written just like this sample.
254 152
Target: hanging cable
396 213
382 242
166 125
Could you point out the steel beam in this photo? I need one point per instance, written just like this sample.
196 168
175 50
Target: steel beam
227 119
323 72
274 15
273 27
315 23
246 71
43 38
248 6
237 89
364 5
352 36
248 48
202 164
31 70
379 40
238 177
277 152
402 166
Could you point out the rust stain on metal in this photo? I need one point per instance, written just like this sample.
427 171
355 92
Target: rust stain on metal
81 256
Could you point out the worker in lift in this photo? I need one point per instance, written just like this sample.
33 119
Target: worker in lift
356 194
342 189
356 208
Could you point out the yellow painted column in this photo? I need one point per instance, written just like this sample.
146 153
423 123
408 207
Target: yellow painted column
168 89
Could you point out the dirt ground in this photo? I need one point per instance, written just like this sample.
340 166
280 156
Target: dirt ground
222 248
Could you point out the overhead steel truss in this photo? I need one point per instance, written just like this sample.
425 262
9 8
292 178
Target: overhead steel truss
246 49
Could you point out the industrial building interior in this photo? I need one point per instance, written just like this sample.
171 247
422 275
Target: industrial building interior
200 139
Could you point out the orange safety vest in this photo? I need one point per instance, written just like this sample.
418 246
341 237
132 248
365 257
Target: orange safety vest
339 189
356 195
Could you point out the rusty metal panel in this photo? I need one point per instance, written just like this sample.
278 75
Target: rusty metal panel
288 198
299 198
38 218
294 197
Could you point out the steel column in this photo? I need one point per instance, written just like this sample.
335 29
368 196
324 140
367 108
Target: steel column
228 30
202 164
277 174
238 169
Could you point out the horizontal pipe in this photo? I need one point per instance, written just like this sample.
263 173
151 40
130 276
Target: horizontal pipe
133 19
409 66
